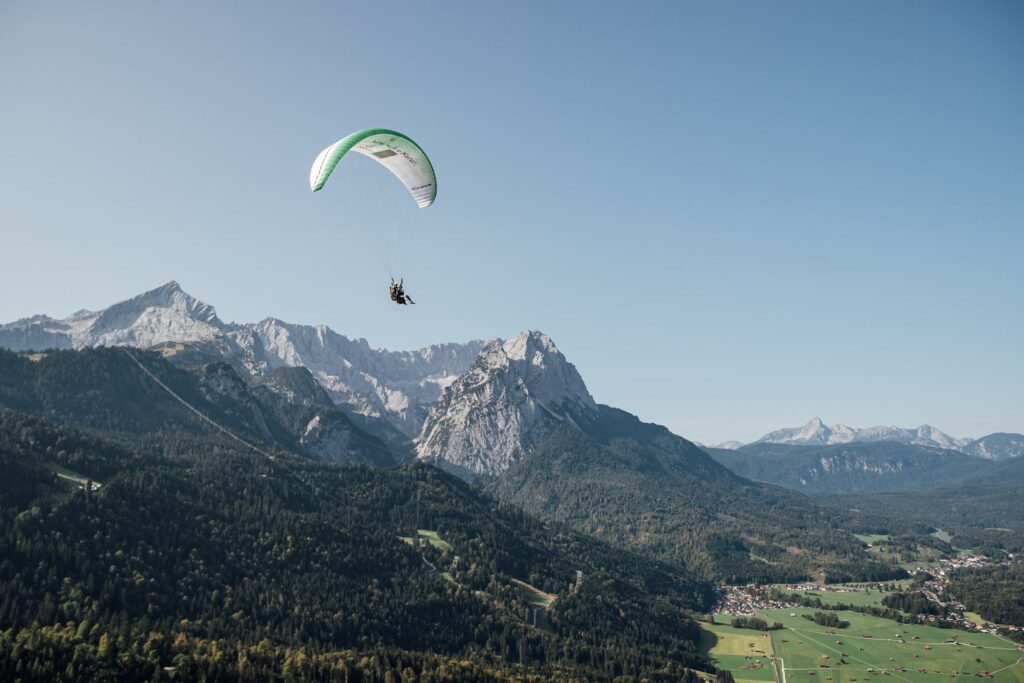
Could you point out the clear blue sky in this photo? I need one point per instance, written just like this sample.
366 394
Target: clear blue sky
731 216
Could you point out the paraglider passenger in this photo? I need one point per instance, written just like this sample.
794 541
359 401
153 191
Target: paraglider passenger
398 294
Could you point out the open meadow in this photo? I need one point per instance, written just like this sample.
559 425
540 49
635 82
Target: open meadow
859 595
869 649
873 648
744 652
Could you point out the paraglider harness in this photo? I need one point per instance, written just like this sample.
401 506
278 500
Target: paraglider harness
398 294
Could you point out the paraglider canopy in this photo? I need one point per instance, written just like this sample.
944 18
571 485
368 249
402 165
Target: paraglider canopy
392 150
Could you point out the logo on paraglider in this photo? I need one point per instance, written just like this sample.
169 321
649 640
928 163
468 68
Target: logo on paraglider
384 154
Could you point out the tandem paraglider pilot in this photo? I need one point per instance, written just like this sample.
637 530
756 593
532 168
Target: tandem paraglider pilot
398 154
398 294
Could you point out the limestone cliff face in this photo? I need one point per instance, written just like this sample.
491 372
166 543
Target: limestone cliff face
509 399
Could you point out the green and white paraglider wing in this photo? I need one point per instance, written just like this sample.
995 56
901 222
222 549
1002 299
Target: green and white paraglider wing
392 150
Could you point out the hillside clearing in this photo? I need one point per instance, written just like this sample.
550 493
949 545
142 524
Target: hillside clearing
434 540
535 596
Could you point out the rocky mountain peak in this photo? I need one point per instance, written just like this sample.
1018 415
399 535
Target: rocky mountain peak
815 432
514 393
166 313
163 314
530 345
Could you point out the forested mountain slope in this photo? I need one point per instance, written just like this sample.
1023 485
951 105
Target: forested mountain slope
983 511
200 539
126 512
868 467
141 396
642 487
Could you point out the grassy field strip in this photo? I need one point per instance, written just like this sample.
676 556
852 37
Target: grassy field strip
748 654
907 642
777 664
840 652
73 477
850 594
975 618
544 599
1008 666
872 538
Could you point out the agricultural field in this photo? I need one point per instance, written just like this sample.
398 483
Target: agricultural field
850 594
871 648
744 652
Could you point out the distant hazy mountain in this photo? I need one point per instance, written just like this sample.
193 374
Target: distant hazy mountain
998 446
817 433
869 467
981 510
728 445
397 386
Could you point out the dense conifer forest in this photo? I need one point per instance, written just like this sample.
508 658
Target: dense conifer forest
996 593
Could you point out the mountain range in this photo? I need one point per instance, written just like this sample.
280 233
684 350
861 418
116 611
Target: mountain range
817 433
998 446
514 415
398 394
396 386
817 458
271 485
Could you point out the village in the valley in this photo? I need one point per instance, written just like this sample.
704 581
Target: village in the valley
931 582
